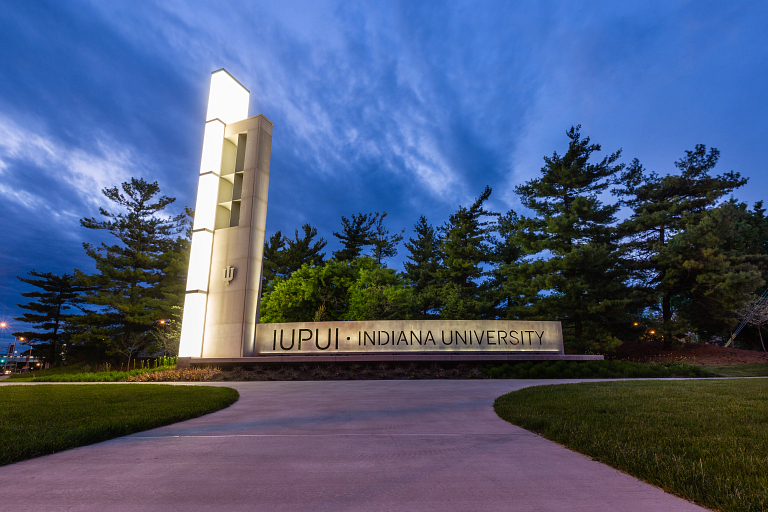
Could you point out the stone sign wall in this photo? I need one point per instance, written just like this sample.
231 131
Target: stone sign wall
411 336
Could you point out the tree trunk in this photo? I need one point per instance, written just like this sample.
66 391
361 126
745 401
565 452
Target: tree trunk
761 337
577 325
53 351
666 298
55 333
666 331
666 308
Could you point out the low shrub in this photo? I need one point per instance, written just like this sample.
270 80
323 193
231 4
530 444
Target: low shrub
592 370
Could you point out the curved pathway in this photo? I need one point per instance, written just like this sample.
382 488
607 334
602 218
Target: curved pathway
335 446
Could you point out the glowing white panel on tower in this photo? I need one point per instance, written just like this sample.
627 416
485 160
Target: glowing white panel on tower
192 325
213 147
207 196
200 261
228 99
227 103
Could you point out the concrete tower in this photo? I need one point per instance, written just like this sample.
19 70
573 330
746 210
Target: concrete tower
221 307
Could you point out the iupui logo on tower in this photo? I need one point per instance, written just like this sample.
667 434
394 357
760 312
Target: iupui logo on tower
229 274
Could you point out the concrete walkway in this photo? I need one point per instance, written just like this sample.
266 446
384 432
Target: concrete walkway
334 446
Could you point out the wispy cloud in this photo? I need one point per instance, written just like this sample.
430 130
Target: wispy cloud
408 107
34 164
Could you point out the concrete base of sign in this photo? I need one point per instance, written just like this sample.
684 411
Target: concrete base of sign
186 362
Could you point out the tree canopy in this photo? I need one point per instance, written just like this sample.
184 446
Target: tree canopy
612 251
127 292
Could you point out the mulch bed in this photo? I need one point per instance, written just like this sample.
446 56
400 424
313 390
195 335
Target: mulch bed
352 371
701 354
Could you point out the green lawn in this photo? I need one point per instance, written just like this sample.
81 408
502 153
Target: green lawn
56 370
77 373
38 420
704 440
740 370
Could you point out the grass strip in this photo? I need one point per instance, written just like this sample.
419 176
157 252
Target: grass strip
703 440
39 420
741 370
592 370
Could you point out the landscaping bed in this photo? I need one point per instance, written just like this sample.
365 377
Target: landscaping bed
703 440
478 370
699 354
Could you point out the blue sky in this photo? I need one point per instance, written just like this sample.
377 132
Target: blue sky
405 107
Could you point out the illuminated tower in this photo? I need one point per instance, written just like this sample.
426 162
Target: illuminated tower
221 307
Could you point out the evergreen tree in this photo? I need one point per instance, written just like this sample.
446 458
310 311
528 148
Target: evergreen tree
572 246
283 256
302 250
355 234
709 274
465 249
663 207
505 291
273 259
379 293
422 268
128 295
174 264
384 244
51 310
751 234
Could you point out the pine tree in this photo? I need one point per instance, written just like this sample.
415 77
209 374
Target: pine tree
379 293
663 207
51 310
273 258
751 233
423 266
465 249
128 295
507 253
709 274
355 235
384 244
174 267
283 256
572 247
303 250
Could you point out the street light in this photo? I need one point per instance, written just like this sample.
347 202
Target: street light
3 326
